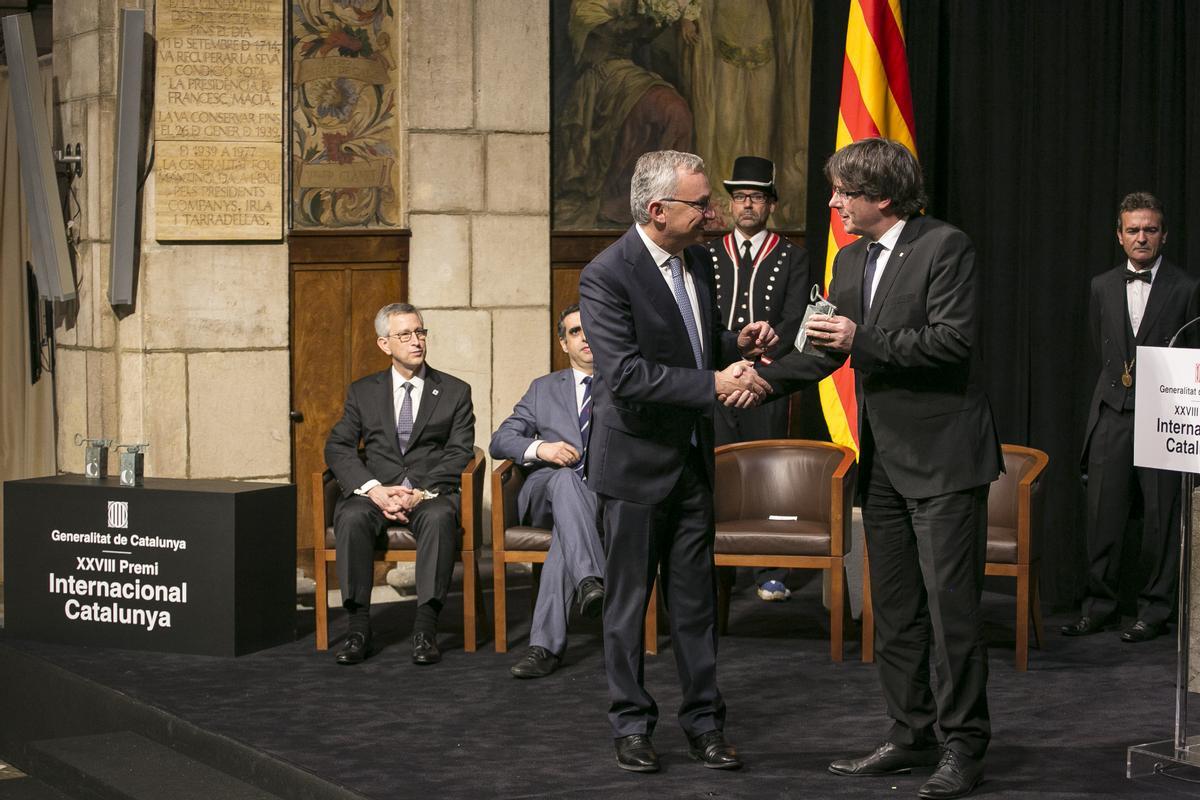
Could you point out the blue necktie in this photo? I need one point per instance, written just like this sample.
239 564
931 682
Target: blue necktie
873 251
685 308
404 422
585 421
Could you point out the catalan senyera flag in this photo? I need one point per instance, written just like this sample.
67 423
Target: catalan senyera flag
876 101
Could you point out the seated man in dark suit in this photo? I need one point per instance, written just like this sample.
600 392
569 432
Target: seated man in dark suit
547 433
417 430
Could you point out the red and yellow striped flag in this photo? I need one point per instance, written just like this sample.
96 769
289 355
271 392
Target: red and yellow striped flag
876 101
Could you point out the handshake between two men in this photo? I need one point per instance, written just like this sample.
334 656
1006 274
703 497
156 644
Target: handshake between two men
739 385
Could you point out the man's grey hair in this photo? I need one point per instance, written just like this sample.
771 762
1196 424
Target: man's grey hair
392 310
655 176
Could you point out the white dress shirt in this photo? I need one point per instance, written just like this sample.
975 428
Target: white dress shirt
1137 294
661 257
398 381
531 451
888 240
756 241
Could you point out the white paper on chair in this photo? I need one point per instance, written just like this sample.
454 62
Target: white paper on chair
784 517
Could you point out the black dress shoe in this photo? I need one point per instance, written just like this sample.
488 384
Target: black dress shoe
636 754
711 750
591 597
355 650
887 759
425 649
1086 626
957 775
1143 631
538 662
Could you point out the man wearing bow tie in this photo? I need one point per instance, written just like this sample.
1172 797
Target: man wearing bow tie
417 431
906 319
1144 300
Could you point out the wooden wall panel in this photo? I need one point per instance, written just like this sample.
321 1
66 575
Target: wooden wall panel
338 282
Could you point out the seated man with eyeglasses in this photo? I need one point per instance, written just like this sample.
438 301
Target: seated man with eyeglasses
758 275
417 430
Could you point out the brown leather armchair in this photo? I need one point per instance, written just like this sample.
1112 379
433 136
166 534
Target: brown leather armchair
811 481
1014 502
514 543
401 546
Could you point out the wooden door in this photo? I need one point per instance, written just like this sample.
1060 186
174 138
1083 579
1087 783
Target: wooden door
338 282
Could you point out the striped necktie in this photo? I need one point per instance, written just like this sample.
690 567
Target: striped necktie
585 422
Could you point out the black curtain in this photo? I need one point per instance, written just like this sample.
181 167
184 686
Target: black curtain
1034 118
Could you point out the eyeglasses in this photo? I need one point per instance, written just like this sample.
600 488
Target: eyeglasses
703 206
846 194
406 336
755 198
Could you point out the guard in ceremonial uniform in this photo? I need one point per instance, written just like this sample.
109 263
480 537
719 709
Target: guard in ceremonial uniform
758 275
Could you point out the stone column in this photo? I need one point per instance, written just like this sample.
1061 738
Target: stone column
478 154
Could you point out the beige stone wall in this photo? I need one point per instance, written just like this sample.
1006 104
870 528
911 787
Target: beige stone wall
478 155
200 369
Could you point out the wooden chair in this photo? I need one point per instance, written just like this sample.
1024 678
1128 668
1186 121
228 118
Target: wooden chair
1014 502
401 546
514 543
810 481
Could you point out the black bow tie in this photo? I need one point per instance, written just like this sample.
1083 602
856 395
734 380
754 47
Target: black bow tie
1138 275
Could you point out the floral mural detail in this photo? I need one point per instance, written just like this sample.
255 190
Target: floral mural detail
345 169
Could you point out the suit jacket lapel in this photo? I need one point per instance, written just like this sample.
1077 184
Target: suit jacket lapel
703 301
649 280
895 263
387 406
1117 309
429 400
1160 291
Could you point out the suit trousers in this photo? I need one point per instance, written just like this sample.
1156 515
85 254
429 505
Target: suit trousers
564 504
360 531
927 558
676 534
1113 481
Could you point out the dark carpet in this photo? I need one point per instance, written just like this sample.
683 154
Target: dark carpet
467 729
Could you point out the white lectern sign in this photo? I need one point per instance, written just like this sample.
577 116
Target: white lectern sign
1166 429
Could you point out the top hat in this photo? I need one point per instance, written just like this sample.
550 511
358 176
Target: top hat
752 172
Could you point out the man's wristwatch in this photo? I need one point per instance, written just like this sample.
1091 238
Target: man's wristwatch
426 494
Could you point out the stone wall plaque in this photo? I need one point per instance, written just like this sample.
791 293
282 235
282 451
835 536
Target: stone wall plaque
218 123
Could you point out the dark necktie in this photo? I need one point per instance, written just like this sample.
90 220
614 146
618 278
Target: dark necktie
1138 275
873 251
745 266
685 308
585 421
404 421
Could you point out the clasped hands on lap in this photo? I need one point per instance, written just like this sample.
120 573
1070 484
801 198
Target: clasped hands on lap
396 502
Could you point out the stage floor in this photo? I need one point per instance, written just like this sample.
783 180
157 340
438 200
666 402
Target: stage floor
466 729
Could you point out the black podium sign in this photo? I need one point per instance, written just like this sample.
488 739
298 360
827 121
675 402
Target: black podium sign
185 566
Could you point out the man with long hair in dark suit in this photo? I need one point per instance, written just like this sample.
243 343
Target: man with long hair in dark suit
906 317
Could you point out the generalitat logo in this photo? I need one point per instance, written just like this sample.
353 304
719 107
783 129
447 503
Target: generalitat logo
118 514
